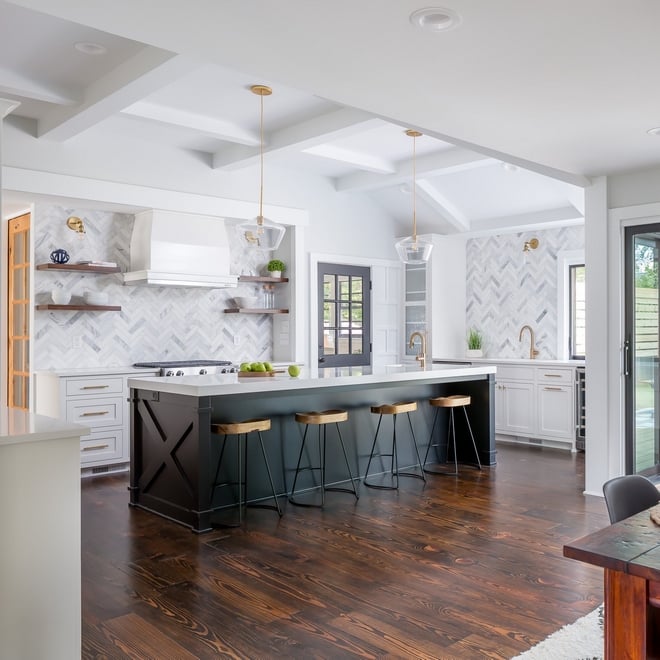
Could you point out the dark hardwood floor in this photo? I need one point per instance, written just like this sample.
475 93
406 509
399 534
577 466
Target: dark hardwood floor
467 567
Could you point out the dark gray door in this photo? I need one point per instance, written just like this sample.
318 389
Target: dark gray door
344 324
641 349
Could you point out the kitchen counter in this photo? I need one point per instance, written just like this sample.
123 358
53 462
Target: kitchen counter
490 360
94 371
40 546
174 453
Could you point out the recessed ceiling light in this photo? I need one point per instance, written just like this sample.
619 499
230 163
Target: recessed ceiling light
90 48
654 131
435 19
509 167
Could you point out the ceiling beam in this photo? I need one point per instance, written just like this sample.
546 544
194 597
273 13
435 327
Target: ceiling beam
14 84
217 128
357 159
441 205
139 76
304 135
557 217
447 161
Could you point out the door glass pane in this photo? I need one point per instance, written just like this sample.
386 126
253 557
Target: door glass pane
19 248
344 285
19 389
19 284
329 342
329 315
19 320
645 351
356 288
329 287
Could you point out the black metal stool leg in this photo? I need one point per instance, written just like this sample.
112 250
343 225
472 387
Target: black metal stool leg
419 460
348 467
276 506
431 443
322 459
474 444
295 478
371 455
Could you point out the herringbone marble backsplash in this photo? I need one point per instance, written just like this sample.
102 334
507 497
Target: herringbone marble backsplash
504 293
155 323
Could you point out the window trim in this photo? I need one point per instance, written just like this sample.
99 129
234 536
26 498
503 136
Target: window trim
565 258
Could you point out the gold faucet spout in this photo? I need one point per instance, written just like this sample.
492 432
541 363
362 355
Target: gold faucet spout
532 349
421 356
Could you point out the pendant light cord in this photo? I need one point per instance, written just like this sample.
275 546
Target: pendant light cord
260 219
414 190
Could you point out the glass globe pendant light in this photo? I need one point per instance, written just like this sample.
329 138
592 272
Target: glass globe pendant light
413 249
261 232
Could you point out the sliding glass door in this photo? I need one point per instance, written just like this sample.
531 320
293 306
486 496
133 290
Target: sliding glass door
641 349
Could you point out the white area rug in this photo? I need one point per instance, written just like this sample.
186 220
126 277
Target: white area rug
582 640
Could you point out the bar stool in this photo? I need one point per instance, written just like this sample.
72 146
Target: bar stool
321 419
241 431
394 409
450 402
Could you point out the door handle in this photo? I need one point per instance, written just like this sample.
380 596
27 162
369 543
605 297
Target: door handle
626 358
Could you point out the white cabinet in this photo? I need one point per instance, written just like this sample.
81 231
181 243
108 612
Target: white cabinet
98 400
435 299
536 404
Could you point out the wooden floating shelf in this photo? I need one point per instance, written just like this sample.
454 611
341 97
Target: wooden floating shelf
259 278
85 268
256 311
81 308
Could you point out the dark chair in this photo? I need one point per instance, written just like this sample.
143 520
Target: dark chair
625 496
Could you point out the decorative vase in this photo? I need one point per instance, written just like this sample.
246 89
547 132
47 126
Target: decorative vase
59 256
474 353
275 273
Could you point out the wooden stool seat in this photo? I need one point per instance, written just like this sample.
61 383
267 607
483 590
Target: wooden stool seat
453 401
325 417
241 430
450 402
321 419
395 408
248 426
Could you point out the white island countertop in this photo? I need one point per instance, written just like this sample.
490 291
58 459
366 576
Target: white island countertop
218 384
19 426
525 361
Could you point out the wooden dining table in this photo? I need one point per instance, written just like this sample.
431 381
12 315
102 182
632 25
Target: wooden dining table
629 553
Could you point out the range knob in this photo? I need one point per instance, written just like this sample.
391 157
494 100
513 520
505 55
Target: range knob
202 371
169 372
179 372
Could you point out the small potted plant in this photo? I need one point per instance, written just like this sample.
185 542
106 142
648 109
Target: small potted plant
275 267
475 342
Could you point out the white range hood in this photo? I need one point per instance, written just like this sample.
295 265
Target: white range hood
179 249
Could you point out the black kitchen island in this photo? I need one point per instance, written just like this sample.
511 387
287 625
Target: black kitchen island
174 453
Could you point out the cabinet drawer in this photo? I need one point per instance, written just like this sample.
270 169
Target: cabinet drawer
550 376
514 372
102 446
101 386
96 412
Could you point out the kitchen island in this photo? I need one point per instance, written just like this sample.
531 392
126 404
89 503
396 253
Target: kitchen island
174 453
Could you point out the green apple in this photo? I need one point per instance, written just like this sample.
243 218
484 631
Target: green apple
294 370
245 366
258 366
268 366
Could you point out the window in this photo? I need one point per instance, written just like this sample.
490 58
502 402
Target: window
576 312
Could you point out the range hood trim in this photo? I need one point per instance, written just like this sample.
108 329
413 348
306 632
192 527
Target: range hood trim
155 278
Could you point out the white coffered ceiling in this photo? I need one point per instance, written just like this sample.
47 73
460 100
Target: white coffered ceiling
563 90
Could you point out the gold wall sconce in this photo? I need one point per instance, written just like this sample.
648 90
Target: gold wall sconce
76 224
531 244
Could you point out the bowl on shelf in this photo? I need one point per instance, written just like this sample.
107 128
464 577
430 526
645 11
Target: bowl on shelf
95 298
246 302
60 296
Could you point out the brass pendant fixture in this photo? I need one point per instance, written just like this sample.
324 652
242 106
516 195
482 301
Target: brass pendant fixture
261 232
413 249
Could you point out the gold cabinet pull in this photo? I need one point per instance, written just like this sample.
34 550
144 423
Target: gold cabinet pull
553 389
94 387
552 375
93 447
92 414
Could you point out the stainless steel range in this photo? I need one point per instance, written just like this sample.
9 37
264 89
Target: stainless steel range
190 367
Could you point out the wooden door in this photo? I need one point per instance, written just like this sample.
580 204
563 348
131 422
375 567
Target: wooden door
18 313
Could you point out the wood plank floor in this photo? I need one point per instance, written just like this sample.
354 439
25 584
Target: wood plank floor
467 567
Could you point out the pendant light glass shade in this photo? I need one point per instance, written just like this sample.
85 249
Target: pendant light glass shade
261 232
414 249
